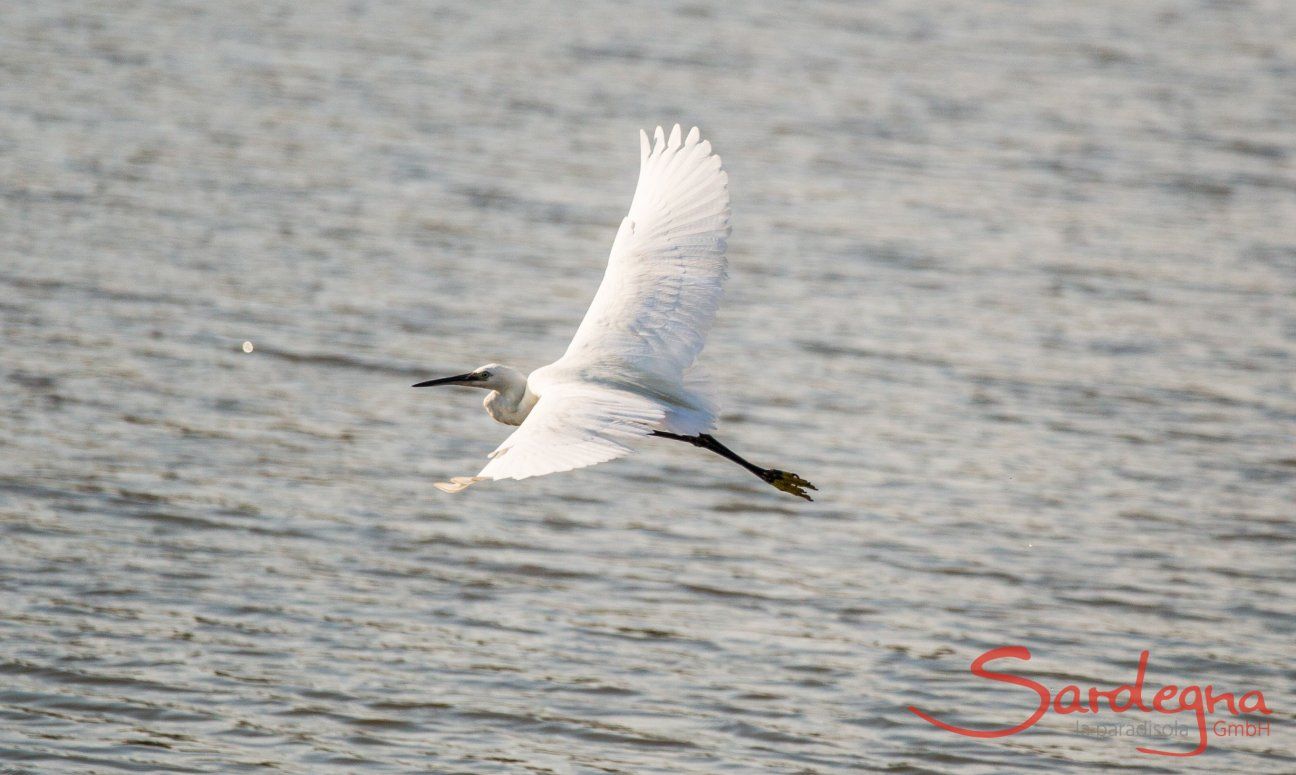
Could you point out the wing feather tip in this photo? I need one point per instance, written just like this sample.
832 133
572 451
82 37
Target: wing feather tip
457 483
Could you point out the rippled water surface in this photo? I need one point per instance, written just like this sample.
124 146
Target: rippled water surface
1014 284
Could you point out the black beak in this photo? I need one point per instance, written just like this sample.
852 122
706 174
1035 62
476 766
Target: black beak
458 379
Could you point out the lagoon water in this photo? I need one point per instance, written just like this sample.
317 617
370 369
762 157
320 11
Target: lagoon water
1014 284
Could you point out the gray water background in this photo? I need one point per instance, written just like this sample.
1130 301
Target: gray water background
1013 283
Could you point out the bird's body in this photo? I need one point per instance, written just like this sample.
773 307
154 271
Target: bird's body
629 372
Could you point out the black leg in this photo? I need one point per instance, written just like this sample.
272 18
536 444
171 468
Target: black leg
782 480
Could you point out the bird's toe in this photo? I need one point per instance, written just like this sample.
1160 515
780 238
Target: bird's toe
789 482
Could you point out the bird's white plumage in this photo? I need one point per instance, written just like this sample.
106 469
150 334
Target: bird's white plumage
627 370
574 425
666 272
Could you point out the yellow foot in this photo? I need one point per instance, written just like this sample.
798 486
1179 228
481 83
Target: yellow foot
789 482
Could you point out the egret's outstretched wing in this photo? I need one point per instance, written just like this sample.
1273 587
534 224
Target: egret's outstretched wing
572 426
666 272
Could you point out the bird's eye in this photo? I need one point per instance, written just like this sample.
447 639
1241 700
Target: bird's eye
484 375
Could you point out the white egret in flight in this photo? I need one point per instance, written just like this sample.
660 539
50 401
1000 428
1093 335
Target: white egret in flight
629 373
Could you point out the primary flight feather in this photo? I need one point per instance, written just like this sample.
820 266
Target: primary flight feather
629 371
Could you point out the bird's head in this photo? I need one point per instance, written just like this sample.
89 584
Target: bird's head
492 376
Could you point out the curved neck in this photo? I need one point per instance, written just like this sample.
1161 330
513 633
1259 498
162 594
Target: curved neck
511 383
510 402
